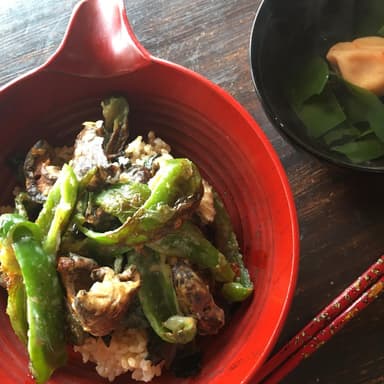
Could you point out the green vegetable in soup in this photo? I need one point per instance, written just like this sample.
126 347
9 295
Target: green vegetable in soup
370 17
360 151
342 132
312 80
320 113
339 114
361 105
313 100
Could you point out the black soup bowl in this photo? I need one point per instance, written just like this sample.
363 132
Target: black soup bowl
284 34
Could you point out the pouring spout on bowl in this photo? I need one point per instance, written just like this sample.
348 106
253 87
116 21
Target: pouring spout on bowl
99 42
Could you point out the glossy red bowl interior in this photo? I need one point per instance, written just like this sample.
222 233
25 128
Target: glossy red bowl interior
100 56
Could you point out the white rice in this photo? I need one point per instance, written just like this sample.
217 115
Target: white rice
138 150
126 352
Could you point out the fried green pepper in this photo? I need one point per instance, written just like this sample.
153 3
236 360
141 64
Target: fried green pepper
189 242
57 209
115 113
176 189
45 317
34 295
158 299
16 303
226 242
122 200
19 204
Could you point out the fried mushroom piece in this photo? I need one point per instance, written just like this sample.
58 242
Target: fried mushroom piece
75 273
42 166
89 155
101 308
195 299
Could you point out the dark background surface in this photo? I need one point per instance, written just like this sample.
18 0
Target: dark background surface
340 212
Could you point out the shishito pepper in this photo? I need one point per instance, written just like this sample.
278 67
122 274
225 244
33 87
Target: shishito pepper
226 242
58 209
122 200
16 303
115 113
28 258
189 242
46 342
158 299
17 307
175 190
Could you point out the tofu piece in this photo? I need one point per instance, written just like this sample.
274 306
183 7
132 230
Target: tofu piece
361 62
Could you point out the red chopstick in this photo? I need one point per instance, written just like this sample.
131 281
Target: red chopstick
365 289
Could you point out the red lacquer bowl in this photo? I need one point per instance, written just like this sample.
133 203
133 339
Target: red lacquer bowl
100 56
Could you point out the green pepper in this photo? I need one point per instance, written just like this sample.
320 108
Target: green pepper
226 242
45 316
17 308
115 113
189 242
176 189
235 291
57 209
7 221
20 204
122 200
158 299
16 303
103 254
34 293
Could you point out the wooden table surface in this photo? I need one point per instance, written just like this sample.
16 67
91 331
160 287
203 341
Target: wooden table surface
341 213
